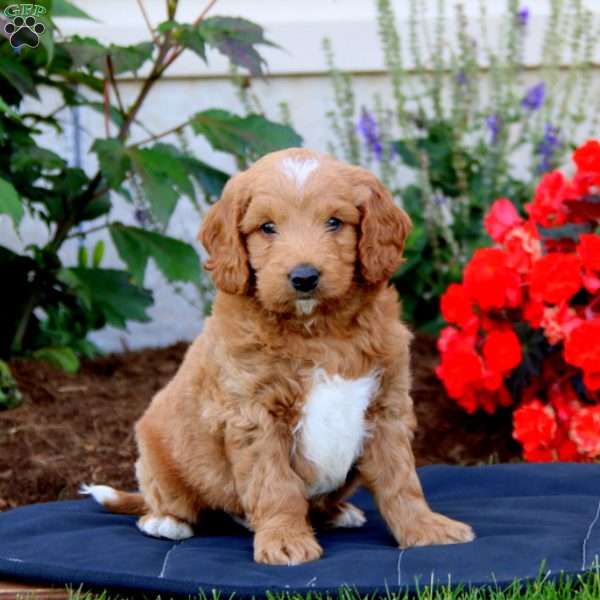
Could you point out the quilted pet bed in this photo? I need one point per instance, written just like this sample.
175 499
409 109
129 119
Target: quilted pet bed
524 516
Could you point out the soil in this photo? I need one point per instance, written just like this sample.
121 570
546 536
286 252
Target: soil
79 428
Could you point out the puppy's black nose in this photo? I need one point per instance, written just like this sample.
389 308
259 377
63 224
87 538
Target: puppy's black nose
304 278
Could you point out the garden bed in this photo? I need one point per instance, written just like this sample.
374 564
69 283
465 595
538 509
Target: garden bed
79 428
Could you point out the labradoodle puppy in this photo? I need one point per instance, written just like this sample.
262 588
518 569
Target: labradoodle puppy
298 389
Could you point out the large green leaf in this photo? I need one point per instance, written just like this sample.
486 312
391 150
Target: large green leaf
62 8
10 203
89 52
60 356
211 180
235 38
248 137
111 292
164 176
17 75
114 160
177 260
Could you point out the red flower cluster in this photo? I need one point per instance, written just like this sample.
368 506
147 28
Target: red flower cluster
525 322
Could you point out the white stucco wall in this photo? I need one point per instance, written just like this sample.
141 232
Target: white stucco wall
297 76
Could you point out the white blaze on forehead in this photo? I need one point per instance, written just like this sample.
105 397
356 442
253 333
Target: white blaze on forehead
299 169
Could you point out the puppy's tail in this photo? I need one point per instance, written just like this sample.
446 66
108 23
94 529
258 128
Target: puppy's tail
124 503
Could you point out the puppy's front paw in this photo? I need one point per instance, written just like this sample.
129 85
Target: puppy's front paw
285 547
434 528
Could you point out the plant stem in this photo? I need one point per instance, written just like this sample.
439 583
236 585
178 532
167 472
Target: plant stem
78 234
158 136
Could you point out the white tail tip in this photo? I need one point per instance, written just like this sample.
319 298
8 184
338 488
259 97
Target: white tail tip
100 493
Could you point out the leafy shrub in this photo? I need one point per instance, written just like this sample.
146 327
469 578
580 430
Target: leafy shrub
51 306
460 126
526 318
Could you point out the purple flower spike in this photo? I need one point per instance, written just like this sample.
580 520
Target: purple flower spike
461 78
494 124
523 16
534 98
367 127
550 143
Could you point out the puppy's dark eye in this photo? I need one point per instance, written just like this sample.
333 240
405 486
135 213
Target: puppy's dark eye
333 224
268 228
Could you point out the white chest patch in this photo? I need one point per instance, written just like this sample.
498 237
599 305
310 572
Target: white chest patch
332 427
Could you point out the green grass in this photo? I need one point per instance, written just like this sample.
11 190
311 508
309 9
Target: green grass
581 587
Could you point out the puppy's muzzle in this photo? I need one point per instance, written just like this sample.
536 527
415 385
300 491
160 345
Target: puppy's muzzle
304 278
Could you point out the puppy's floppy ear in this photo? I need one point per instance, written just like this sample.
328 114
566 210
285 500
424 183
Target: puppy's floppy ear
220 235
383 228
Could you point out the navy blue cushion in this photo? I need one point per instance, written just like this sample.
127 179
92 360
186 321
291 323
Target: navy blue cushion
523 515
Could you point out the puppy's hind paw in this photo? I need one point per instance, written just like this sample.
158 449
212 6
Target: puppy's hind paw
348 516
165 527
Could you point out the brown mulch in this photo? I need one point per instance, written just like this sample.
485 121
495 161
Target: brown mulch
78 428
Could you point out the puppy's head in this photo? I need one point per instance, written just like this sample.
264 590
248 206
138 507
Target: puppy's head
299 229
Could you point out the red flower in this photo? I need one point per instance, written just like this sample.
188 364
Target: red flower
502 350
547 208
456 306
523 246
459 368
534 425
501 218
582 349
587 159
589 251
489 281
533 313
585 431
558 322
555 278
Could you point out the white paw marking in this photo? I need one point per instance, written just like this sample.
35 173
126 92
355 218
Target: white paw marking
299 169
332 427
102 494
350 516
165 527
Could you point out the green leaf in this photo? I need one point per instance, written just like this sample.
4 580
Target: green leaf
10 203
111 292
177 260
247 137
164 176
59 356
98 253
17 76
86 51
187 35
211 180
9 111
98 207
114 160
130 58
89 52
408 156
570 231
82 256
235 38
10 396
62 8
